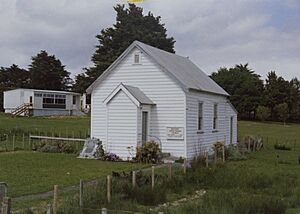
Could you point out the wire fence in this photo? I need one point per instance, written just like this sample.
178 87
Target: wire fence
19 139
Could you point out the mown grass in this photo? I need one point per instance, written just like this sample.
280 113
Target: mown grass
34 172
268 178
45 124
267 182
272 133
18 129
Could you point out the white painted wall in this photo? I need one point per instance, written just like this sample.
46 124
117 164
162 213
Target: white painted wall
198 142
158 86
122 125
14 98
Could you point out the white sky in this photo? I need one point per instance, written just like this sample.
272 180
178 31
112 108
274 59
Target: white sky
213 33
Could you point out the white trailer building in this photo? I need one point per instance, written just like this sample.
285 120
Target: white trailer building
150 94
34 102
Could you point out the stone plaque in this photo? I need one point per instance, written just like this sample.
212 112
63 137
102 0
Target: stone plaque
89 148
175 133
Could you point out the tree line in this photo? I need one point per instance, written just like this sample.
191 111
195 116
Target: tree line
47 72
274 99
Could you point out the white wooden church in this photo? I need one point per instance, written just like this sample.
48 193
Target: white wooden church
150 94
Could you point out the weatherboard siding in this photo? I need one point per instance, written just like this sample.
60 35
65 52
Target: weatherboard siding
169 98
198 142
122 126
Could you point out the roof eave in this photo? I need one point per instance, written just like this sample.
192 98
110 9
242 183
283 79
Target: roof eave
209 92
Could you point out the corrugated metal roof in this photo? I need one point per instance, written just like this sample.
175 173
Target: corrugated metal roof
139 95
180 69
45 91
183 69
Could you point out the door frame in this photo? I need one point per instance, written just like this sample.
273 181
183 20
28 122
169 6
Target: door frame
231 129
146 109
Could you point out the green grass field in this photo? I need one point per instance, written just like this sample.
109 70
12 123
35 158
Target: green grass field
43 124
34 172
271 132
19 129
278 171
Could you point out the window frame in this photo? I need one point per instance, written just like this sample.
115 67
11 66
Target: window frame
54 101
74 100
200 121
215 116
139 55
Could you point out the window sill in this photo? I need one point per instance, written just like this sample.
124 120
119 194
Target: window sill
214 131
200 132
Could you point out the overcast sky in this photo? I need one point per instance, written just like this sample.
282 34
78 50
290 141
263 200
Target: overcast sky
213 33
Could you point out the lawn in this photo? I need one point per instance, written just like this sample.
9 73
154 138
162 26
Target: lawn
44 124
34 172
265 177
271 132
19 129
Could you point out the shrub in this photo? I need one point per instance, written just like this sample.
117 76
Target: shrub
263 113
111 157
148 153
198 161
99 153
145 195
49 148
281 147
55 146
232 153
67 147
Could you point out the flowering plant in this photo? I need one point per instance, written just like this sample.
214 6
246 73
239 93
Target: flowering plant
111 157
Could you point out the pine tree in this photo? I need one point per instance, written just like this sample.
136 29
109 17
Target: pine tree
11 78
47 72
131 24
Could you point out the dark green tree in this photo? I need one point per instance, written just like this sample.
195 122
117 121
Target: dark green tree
277 91
12 77
294 99
47 72
244 86
282 111
263 113
131 24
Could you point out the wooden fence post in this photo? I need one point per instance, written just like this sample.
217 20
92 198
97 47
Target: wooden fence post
184 166
55 199
103 211
30 147
6 205
249 145
81 193
133 178
49 209
206 158
152 177
108 188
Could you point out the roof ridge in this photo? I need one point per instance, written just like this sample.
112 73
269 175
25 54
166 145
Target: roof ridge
161 50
